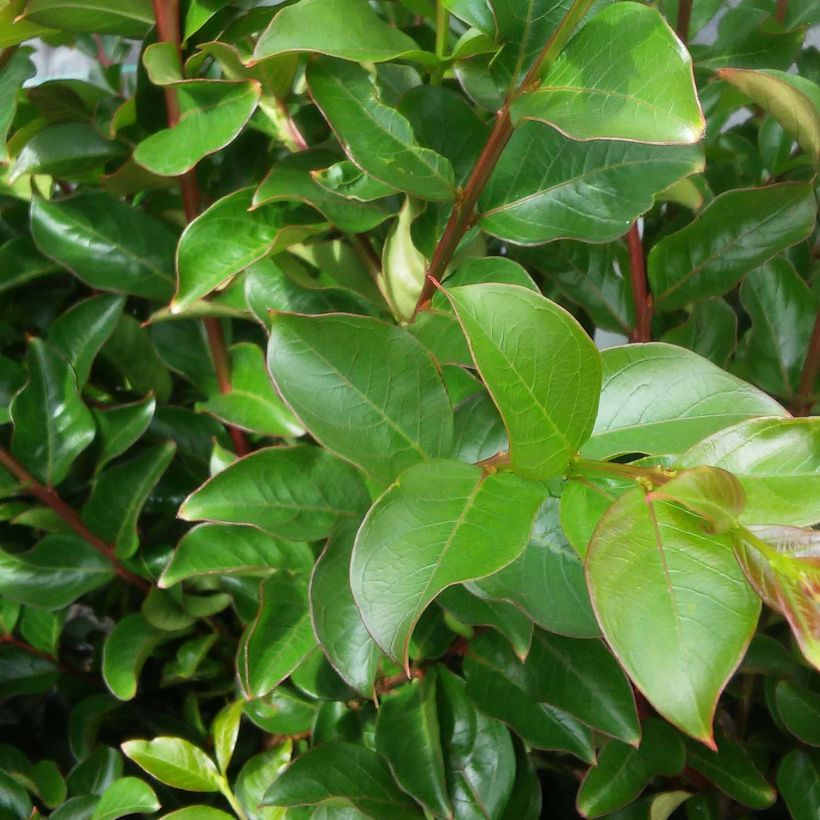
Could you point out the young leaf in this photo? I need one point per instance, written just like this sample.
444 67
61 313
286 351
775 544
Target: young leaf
735 233
603 86
279 638
497 684
581 677
342 771
252 403
336 620
691 612
106 243
441 523
111 513
175 762
548 187
403 266
228 237
375 136
623 772
366 390
126 649
691 398
52 426
409 718
129 795
212 115
540 367
296 493
776 461
225 730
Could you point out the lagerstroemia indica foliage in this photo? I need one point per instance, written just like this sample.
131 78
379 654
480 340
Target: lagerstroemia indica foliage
321 498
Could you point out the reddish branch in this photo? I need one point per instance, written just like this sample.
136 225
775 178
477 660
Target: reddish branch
642 331
166 13
781 10
808 378
684 16
49 497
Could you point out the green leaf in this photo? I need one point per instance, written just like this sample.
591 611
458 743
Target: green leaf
691 613
22 673
95 772
731 769
55 573
128 18
85 720
21 262
70 150
14 73
228 237
735 233
540 367
636 84
479 758
623 772
366 390
218 549
126 649
342 771
798 780
49 782
212 113
175 762
348 29
548 187
710 492
800 711
198 813
525 802
710 331
783 566
546 581
782 310
441 523
296 493
793 100
254 778
225 730
478 430
83 329
581 677
690 398
776 461
131 352
376 136
336 620
14 801
111 512
280 637
583 502
409 719
252 403
106 243
41 628
121 426
52 426
129 795
497 684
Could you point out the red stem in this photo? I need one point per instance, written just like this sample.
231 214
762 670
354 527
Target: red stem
808 378
781 10
166 13
684 16
643 301
49 497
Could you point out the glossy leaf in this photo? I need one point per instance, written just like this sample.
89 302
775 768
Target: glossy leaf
497 684
691 613
225 730
377 137
798 780
776 462
296 493
175 762
548 187
129 18
599 86
52 426
327 369
15 72
21 262
336 620
23 673
800 711
211 116
279 638
441 523
737 232
228 237
121 426
106 244
126 650
710 331
342 771
111 513
128 795
545 390
691 398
